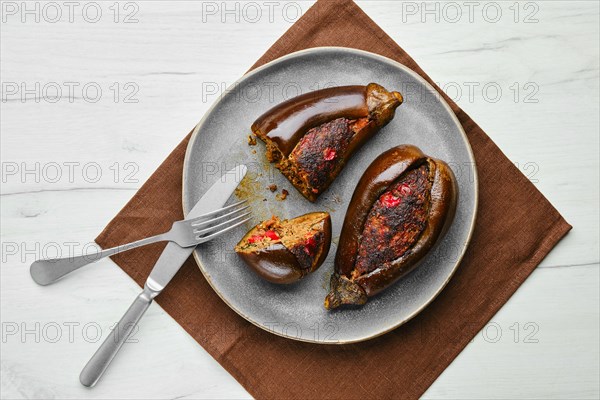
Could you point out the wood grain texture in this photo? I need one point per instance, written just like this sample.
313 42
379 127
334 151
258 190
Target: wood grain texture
177 54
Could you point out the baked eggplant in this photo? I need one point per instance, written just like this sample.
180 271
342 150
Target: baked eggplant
286 251
402 205
311 137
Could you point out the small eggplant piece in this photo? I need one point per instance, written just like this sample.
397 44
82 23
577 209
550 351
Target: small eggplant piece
403 204
286 251
312 136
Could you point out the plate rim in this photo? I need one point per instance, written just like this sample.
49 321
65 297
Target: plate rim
325 49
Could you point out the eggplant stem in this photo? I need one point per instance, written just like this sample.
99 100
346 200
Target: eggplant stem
344 292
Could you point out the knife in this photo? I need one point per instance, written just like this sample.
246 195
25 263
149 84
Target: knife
171 259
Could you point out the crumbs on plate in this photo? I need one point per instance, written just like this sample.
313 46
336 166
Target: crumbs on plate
283 195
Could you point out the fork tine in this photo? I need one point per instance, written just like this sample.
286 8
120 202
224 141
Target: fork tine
220 210
200 232
214 235
200 224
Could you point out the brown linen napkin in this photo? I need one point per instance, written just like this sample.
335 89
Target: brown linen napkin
506 247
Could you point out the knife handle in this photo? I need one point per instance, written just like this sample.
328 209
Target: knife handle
100 361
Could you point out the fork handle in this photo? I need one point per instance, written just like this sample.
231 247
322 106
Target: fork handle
45 272
102 358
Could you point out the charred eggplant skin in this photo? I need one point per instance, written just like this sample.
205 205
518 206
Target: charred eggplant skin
277 264
379 176
284 126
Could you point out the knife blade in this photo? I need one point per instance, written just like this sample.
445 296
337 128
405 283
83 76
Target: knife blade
174 256
169 262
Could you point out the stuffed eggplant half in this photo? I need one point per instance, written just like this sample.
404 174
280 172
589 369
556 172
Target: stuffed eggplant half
312 136
286 251
402 205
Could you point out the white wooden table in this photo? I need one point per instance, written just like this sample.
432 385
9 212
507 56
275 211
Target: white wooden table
71 160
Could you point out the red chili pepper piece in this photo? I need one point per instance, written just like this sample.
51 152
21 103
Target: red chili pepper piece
405 189
255 238
389 200
329 154
272 235
310 246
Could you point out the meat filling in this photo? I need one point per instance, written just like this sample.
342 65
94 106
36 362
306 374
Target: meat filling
319 153
263 235
395 222
302 236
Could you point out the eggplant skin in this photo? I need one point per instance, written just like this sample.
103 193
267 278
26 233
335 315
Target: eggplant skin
312 136
275 264
278 264
286 123
388 168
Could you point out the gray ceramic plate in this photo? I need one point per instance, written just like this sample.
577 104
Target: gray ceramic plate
219 142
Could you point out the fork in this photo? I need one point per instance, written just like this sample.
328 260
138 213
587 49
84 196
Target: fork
185 233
